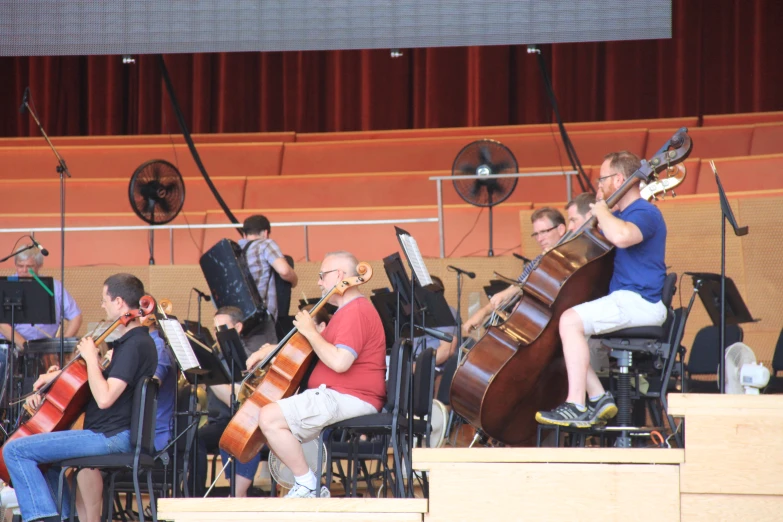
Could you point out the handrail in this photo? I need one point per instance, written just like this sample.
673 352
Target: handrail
439 179
172 228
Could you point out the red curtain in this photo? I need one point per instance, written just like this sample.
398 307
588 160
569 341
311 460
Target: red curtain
724 57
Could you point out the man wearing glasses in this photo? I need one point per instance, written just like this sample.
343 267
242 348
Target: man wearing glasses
346 382
549 226
637 230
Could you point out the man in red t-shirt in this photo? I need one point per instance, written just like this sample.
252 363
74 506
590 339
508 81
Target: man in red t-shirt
347 381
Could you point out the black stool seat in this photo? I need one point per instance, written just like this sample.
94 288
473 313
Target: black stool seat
638 332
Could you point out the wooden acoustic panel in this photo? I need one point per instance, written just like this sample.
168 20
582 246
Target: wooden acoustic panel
553 491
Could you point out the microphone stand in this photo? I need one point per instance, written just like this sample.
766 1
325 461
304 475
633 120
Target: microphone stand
450 420
62 171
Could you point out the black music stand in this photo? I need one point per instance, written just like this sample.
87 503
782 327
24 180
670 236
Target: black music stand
726 215
724 304
213 371
235 361
24 301
385 302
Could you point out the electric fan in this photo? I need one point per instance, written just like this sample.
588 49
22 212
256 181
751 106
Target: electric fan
487 159
157 193
285 477
743 375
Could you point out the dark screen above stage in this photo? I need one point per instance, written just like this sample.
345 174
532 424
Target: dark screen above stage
84 27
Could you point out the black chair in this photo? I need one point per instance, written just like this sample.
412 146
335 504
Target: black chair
391 425
647 341
166 482
775 382
140 459
705 356
385 422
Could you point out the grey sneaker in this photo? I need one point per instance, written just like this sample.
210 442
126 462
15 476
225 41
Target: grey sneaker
567 415
300 491
602 410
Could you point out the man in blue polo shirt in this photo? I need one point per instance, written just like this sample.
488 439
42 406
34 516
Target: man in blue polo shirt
637 229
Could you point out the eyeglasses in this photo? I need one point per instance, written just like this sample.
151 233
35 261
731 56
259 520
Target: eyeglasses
599 180
322 274
540 232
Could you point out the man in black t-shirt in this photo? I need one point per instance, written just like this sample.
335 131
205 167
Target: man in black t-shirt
107 415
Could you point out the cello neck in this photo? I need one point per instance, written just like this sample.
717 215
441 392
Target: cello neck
320 304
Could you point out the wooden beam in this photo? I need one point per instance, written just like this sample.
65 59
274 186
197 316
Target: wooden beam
280 505
423 457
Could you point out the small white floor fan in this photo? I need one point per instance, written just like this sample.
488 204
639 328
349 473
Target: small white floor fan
283 474
743 374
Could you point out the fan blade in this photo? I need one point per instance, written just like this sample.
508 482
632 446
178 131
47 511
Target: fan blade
486 157
164 205
497 168
468 170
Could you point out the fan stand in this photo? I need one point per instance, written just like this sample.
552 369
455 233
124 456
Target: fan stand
152 247
491 252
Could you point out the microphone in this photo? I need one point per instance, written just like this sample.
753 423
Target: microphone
522 258
471 275
204 296
44 252
437 334
25 97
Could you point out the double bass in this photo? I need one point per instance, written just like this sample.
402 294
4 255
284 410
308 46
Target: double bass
65 396
293 357
517 368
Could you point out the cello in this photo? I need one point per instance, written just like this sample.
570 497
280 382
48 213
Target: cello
293 357
65 396
517 368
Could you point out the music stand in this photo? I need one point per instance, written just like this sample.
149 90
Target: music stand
385 303
726 215
24 301
235 357
724 304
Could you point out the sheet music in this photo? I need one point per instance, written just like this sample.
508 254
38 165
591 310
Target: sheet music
179 343
414 257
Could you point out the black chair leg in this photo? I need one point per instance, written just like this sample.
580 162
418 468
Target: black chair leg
137 491
60 487
72 490
110 515
151 492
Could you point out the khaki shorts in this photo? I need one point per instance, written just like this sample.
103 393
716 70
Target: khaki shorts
307 413
618 310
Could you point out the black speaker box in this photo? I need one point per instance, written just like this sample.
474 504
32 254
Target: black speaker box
230 282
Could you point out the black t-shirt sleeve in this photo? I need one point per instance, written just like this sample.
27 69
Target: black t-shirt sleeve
125 365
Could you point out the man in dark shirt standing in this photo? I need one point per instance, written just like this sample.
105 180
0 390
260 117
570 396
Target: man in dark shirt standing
107 415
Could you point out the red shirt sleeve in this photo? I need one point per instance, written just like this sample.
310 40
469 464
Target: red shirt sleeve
345 332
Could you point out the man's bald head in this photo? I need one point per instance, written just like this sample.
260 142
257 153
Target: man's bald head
343 260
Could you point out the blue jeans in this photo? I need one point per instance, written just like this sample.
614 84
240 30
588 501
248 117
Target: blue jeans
247 470
22 457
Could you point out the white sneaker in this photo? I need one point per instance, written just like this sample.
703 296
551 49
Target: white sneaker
300 491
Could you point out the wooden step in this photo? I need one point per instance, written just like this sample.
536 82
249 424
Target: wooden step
286 509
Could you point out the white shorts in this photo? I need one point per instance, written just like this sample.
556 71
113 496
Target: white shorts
307 413
618 310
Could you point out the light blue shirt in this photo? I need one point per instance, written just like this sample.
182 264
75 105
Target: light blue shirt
72 311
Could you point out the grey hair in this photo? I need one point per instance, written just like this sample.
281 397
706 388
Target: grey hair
33 253
351 261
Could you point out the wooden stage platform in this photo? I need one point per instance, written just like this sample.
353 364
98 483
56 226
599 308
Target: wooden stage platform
730 469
